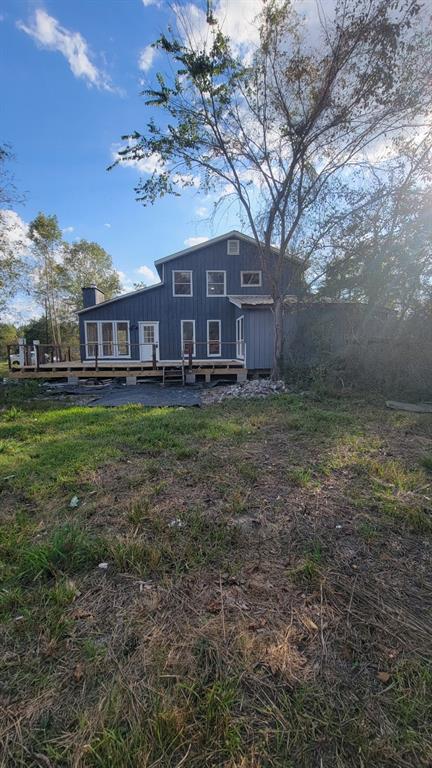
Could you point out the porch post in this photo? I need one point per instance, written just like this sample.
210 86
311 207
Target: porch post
21 351
37 353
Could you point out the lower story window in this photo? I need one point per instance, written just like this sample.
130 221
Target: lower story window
213 338
106 338
188 337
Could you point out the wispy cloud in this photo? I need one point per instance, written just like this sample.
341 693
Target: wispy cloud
202 211
67 230
146 58
147 274
48 33
146 3
191 241
107 225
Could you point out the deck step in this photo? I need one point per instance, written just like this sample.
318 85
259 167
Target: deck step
172 375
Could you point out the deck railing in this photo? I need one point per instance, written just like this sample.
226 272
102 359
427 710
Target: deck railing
40 356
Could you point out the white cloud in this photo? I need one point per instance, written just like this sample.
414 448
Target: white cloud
146 165
48 33
148 274
66 230
107 225
236 18
22 309
191 241
202 211
146 3
146 58
14 231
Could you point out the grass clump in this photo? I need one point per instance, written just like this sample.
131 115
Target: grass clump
69 549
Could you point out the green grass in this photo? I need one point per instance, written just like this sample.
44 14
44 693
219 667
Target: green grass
207 642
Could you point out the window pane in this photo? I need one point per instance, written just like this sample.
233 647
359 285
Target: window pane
251 278
107 339
92 338
216 283
148 334
123 338
214 337
188 328
188 337
182 283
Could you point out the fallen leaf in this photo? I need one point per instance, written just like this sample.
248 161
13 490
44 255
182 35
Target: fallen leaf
78 672
308 623
383 677
81 613
214 606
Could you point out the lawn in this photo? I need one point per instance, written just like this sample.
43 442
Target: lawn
265 594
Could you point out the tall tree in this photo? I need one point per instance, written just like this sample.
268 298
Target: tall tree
85 263
302 133
12 232
47 249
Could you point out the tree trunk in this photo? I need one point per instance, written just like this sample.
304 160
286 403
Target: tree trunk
278 362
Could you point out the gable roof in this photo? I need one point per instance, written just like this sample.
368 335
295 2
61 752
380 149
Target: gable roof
234 233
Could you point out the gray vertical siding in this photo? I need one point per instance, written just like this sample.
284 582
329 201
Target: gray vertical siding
259 335
159 304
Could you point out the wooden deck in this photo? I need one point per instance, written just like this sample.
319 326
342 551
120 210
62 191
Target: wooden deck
132 369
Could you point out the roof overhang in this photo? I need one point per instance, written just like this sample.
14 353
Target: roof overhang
119 298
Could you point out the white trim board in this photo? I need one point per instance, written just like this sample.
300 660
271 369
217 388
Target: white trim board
209 341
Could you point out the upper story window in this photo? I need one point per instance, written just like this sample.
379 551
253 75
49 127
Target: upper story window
182 282
216 283
233 247
251 279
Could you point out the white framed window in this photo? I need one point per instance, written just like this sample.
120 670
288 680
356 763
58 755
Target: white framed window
240 344
213 338
182 282
111 338
251 279
188 337
216 282
233 247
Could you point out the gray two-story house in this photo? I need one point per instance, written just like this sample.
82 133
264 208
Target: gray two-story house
212 303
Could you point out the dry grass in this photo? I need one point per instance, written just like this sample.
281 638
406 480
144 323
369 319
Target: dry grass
267 601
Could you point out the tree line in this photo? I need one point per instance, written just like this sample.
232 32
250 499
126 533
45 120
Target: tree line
37 262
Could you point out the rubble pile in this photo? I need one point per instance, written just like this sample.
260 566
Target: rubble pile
253 388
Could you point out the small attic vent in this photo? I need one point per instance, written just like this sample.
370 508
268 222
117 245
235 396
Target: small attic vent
233 247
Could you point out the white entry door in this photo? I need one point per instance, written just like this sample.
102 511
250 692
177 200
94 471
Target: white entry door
148 335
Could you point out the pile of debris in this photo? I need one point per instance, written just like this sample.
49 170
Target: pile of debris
253 388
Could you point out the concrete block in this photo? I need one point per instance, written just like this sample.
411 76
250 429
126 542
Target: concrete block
241 377
190 378
131 381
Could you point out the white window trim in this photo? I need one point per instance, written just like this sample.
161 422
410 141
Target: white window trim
248 272
240 341
182 295
216 295
237 242
194 337
100 343
214 354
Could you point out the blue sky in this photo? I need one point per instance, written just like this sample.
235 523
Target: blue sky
71 74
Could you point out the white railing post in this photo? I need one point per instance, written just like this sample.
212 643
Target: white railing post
21 351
